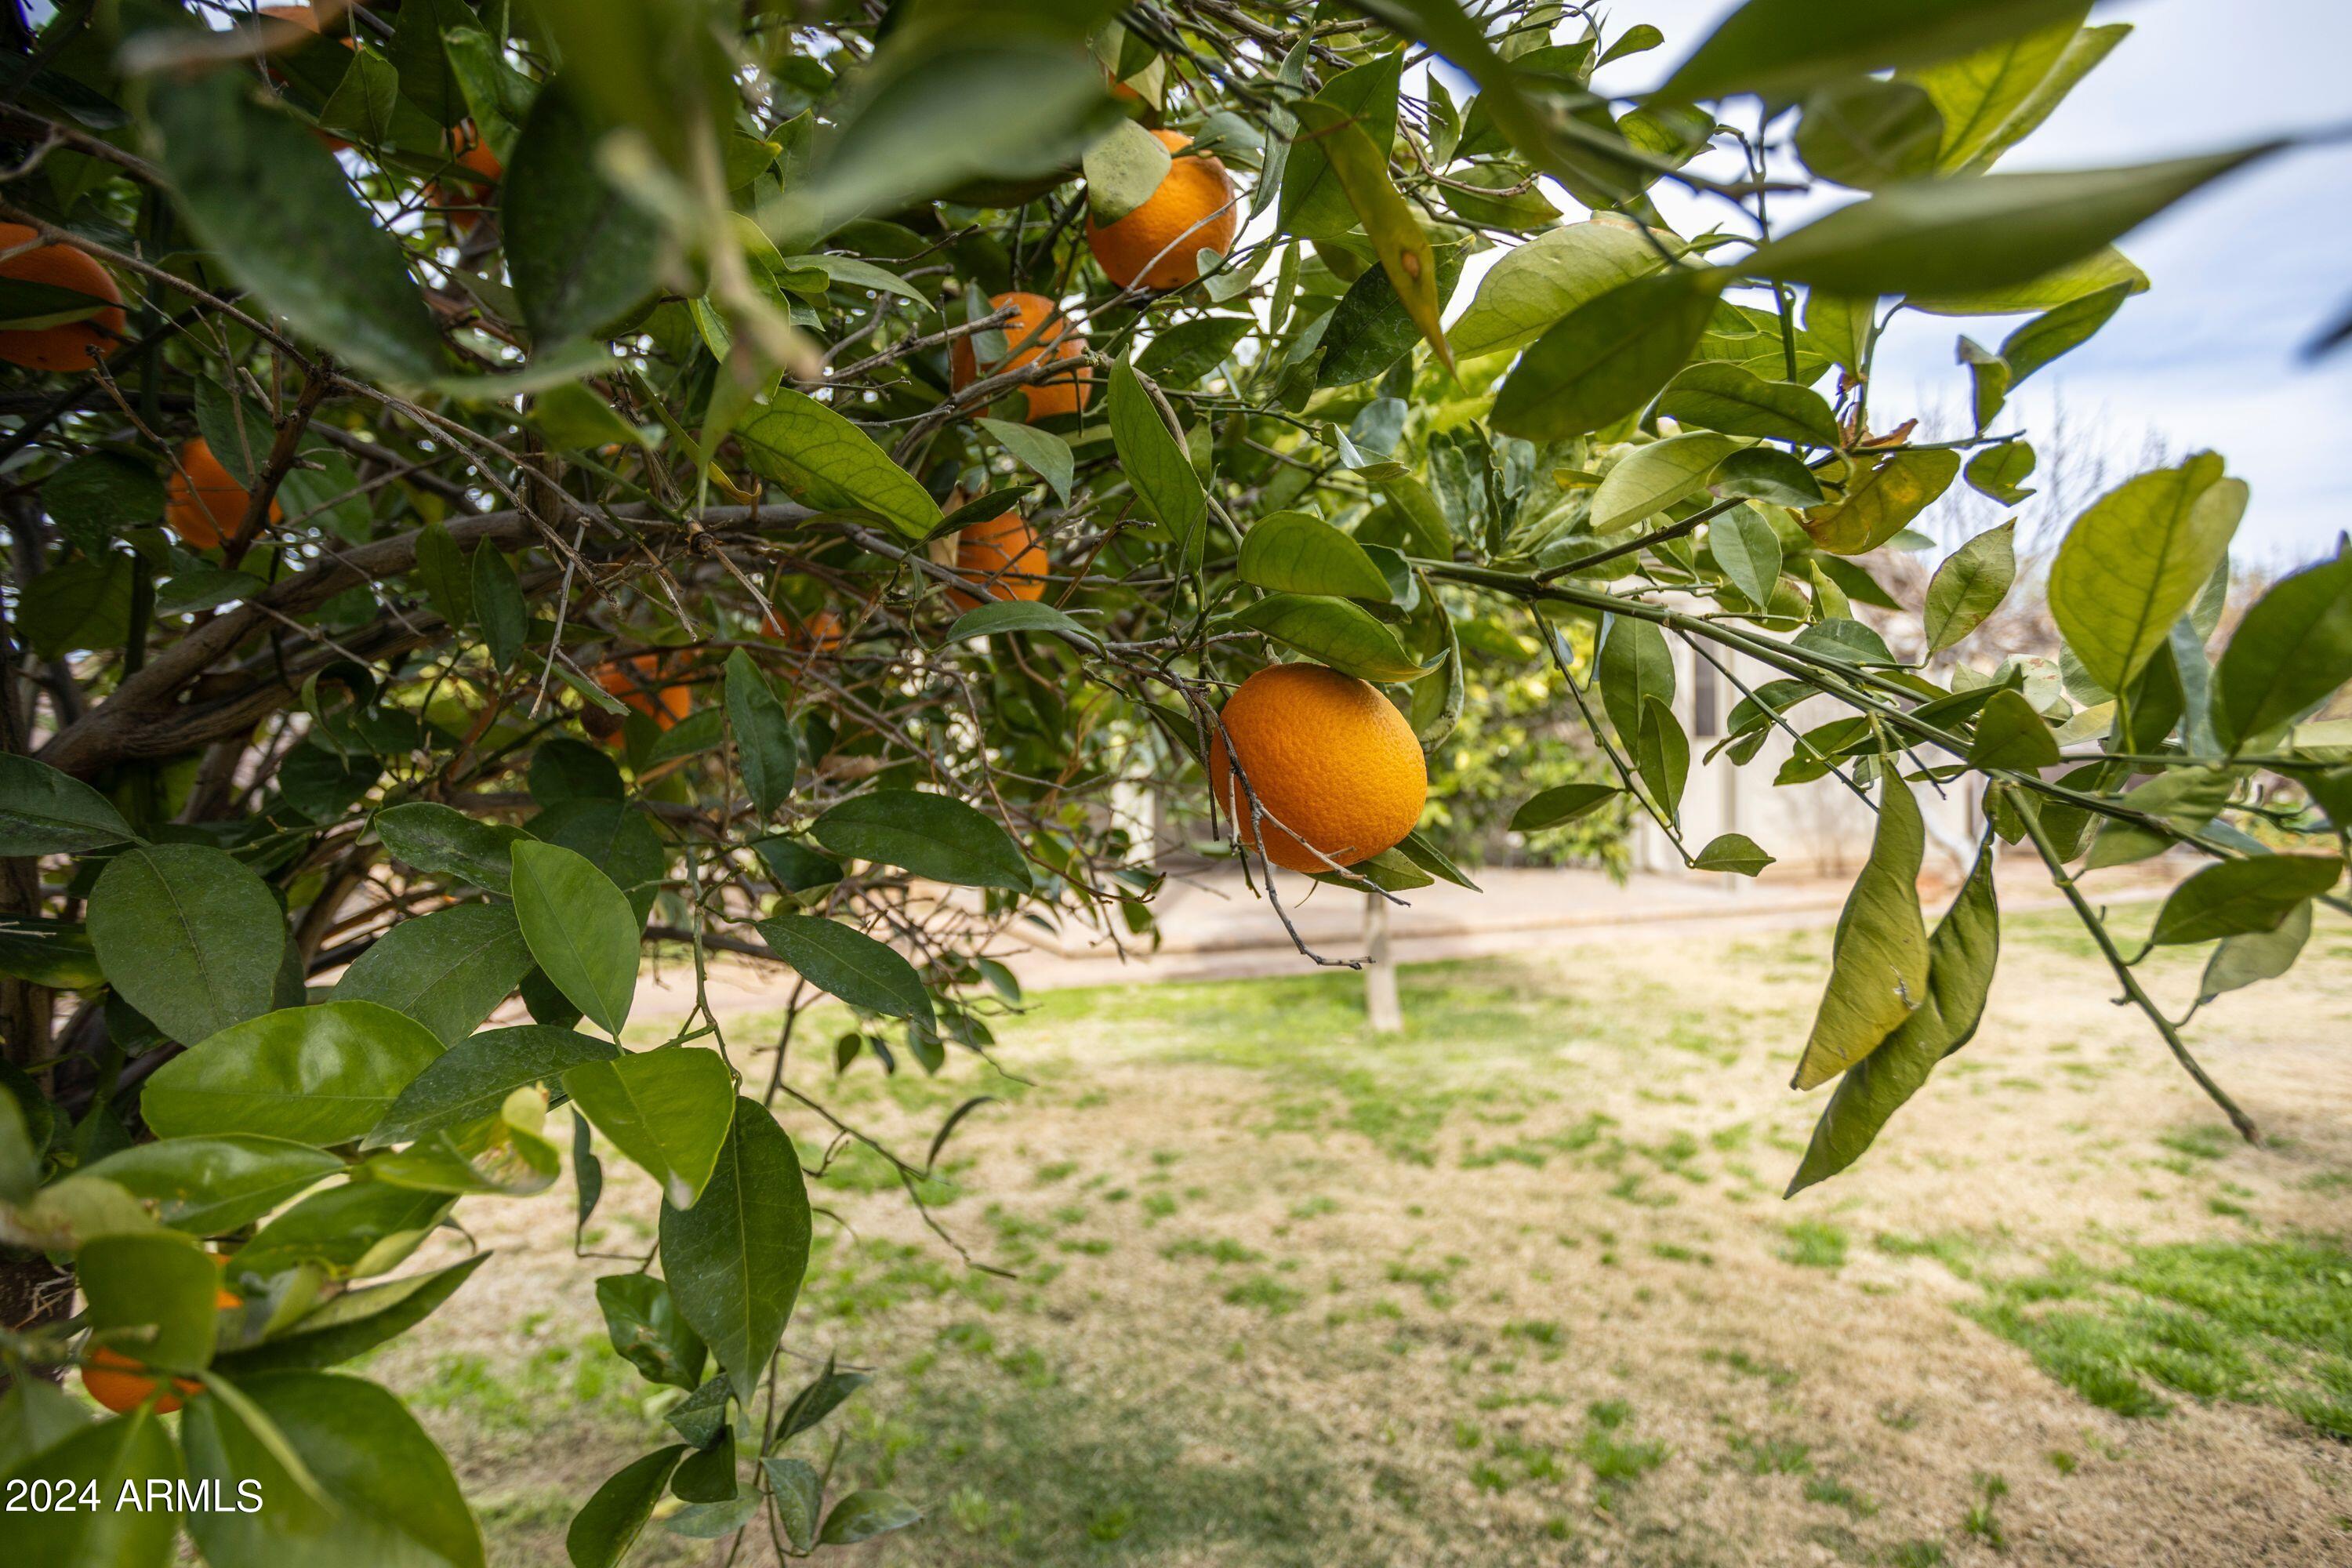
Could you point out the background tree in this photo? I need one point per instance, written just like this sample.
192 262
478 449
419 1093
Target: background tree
492 485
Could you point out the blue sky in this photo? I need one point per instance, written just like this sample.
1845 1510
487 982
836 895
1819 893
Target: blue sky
2244 274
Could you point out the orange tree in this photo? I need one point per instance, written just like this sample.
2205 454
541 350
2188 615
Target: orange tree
489 486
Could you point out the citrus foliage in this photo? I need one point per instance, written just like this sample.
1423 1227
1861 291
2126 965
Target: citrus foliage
494 485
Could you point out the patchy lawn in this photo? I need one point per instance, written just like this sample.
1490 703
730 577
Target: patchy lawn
1519 1287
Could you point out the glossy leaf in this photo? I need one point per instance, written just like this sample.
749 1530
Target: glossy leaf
43 812
1360 167
2252 957
2289 651
149 1297
448 970
1538 284
610 1522
765 753
581 929
134 1451
1635 666
1124 170
1335 632
1164 477
863 1515
1648 480
351 1325
1744 544
1977 94
1045 453
579 253
390 1500
824 461
1607 357
188 935
2010 734
734 1261
1561 804
473 1078
209 1185
1298 553
1777 46
433 837
849 964
1733 852
643 1322
667 1110
318 1075
1866 132
1018 615
932 835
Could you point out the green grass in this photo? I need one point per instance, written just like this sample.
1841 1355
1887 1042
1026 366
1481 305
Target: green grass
1814 1244
2261 1323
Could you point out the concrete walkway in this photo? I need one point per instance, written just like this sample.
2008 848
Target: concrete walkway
1212 927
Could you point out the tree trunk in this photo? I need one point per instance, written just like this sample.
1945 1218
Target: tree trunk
1381 1004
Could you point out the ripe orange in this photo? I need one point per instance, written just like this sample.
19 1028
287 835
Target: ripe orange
1004 552
118 1382
67 345
1191 212
638 683
1038 324
822 631
471 198
204 505
1328 757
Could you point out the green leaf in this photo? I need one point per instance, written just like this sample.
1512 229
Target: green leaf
2010 734
1777 46
498 605
94 497
1370 329
352 1323
582 255
189 936
614 835
765 753
932 835
1298 553
2252 957
1733 852
1976 94
824 461
1164 479
348 1231
2133 563
581 929
1361 165
1648 480
735 1259
391 1502
1315 202
641 1318
1181 353
1768 474
667 1110
2292 650
1865 132
2103 269
365 105
700 731
1744 544
1635 666
133 1451
609 1524
1969 585
1981 231
1722 395
447 576
2239 897
1996 471
1662 756
1878 963
1541 282
149 1297
1123 170
1017 615
863 1515
1881 503
1561 804
798 1493
1961 956
34 1414
849 964
1336 632
318 1075
2059 330
473 1078
1043 451
310 253
208 1185
2081 54
563 769
434 837
44 812
1606 357
448 970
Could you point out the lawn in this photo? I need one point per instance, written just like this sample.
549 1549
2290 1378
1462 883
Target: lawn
1519 1287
